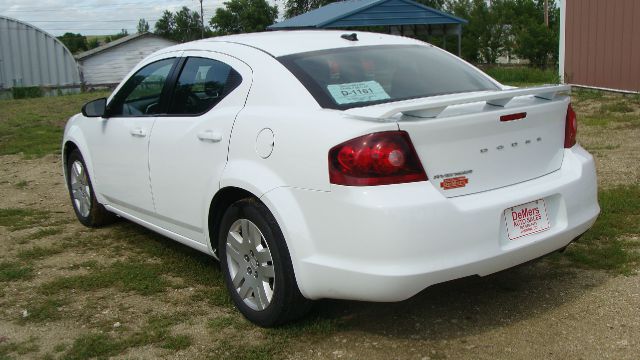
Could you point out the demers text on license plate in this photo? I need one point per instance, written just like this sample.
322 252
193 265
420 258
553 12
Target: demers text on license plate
526 219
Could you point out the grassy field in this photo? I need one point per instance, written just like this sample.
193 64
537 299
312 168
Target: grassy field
522 75
33 127
69 292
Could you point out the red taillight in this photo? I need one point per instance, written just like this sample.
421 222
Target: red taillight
570 128
376 159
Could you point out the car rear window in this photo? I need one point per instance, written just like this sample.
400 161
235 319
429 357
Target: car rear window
352 77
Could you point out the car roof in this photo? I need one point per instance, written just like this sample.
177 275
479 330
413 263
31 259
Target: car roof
287 42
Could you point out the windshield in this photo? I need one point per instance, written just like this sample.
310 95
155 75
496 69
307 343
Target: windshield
352 77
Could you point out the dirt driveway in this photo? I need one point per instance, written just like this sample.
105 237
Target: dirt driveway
69 292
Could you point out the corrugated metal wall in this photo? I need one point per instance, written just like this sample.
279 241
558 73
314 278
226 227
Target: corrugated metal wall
602 43
32 57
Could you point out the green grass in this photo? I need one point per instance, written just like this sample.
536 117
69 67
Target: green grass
586 94
20 348
60 347
617 107
44 310
595 121
21 184
617 120
89 264
38 252
216 296
92 346
19 219
156 331
136 276
603 246
227 321
177 342
34 127
12 271
603 147
522 75
46 232
275 342
177 260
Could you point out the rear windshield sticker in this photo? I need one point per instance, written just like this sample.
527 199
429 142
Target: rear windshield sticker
357 92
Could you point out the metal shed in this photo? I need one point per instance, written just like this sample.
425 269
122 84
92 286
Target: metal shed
32 57
600 44
403 17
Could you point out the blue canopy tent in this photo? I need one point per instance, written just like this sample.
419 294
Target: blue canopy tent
403 17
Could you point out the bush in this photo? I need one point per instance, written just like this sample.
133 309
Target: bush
523 74
27 92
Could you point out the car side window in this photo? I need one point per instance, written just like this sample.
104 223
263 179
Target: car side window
140 95
202 84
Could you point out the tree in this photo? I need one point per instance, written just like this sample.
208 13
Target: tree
143 26
508 27
117 36
93 43
494 33
436 4
182 26
485 36
296 7
243 16
74 42
529 37
470 33
537 43
166 25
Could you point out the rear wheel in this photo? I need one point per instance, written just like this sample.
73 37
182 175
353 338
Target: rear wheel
88 211
257 266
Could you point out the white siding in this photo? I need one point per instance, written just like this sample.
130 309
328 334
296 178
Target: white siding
111 65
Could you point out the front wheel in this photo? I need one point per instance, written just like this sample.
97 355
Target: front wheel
257 266
88 210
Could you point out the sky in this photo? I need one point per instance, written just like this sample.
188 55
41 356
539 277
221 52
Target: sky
101 17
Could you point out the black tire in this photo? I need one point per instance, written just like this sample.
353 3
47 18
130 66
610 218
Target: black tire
96 215
286 303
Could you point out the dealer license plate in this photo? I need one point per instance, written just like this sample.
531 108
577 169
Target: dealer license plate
526 219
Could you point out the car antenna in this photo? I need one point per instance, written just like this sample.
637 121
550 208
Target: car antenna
350 37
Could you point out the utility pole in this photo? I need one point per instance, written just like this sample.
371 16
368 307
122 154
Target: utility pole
546 12
202 21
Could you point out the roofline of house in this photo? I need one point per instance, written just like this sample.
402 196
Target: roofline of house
113 44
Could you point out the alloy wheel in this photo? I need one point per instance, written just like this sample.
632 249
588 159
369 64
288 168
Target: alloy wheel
80 189
250 264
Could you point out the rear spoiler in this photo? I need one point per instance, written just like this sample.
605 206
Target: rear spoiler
432 106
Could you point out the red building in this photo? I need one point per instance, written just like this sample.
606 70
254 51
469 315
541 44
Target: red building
600 44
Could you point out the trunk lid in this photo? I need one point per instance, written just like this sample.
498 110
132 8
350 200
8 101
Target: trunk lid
466 148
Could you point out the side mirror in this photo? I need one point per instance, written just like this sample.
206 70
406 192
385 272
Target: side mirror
95 108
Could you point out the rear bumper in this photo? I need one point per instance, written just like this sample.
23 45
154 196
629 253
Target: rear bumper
387 243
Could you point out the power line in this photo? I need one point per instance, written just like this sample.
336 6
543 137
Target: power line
86 29
83 21
95 7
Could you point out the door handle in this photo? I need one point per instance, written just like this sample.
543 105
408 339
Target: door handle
138 132
210 136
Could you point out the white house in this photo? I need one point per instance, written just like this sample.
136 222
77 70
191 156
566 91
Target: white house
108 64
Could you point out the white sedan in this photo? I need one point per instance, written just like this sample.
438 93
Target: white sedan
325 164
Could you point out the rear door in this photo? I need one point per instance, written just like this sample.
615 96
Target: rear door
189 145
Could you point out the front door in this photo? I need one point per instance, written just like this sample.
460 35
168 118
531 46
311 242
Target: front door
120 141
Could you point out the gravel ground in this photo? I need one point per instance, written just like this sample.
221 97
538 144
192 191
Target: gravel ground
533 311
538 310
